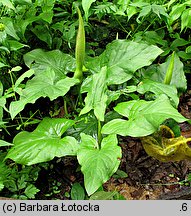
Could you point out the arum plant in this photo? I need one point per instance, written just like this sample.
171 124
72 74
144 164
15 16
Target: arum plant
99 158
145 119
89 137
53 79
162 144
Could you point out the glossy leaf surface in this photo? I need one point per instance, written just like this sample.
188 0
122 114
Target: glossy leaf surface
144 117
123 58
96 97
44 84
158 89
158 73
44 143
60 62
98 165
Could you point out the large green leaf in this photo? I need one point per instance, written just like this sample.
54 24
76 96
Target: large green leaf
44 143
60 62
96 98
145 117
158 89
123 58
44 84
98 164
158 73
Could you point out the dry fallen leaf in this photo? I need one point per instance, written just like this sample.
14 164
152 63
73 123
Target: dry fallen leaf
163 146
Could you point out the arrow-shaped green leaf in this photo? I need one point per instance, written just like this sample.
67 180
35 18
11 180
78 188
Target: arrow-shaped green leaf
98 164
44 84
145 117
44 143
96 98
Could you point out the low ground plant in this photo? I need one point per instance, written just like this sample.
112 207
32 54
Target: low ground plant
126 90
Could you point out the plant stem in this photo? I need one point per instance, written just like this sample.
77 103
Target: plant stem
65 107
13 88
2 11
79 100
150 25
139 25
28 119
123 28
99 133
